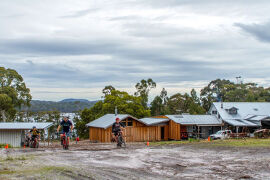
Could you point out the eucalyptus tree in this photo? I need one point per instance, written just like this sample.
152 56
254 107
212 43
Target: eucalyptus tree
13 93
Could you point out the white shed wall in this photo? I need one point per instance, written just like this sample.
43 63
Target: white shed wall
12 137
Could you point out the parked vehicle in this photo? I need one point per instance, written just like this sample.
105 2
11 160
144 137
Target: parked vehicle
222 134
262 133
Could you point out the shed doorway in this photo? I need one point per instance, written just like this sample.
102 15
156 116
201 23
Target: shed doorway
162 133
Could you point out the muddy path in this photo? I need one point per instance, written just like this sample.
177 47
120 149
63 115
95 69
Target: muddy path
137 161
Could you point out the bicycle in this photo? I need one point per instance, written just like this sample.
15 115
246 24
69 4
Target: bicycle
34 143
64 141
121 140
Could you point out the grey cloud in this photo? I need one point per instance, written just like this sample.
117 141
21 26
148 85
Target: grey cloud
81 13
56 46
259 31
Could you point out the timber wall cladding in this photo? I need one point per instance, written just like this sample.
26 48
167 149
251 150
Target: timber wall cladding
137 132
174 130
131 134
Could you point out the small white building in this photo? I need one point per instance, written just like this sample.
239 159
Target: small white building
14 133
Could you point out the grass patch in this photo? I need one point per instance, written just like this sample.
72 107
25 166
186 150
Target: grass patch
43 170
161 143
4 145
249 142
16 158
6 171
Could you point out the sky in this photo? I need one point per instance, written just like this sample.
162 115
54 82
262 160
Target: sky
73 49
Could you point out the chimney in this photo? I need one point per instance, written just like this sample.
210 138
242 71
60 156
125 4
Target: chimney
115 111
221 105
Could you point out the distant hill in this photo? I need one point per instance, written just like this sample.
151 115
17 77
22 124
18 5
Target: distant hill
74 100
66 105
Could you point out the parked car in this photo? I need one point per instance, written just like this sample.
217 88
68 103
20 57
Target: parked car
222 134
262 133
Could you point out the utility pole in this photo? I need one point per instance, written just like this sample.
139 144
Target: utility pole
237 79
115 111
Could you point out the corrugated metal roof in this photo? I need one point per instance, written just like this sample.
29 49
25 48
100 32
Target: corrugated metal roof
241 122
24 126
247 112
153 121
202 120
244 109
107 120
257 118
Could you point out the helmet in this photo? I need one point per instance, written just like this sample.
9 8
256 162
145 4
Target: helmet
34 127
117 119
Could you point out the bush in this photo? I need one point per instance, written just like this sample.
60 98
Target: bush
193 140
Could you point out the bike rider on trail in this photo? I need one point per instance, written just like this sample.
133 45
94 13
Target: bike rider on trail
35 134
116 129
67 128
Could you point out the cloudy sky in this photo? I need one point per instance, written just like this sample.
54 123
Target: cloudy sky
72 49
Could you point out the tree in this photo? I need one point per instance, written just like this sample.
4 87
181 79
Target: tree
13 86
214 91
108 90
5 106
228 91
143 88
125 103
194 96
179 103
159 104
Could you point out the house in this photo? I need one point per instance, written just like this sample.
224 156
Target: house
239 116
147 129
14 133
197 125
169 127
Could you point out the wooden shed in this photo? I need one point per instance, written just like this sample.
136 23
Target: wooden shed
137 130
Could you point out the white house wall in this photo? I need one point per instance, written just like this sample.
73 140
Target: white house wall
12 137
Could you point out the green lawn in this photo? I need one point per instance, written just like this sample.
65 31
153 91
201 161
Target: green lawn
249 142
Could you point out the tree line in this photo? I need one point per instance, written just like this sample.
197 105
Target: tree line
192 103
14 94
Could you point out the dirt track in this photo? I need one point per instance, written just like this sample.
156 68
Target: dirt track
104 161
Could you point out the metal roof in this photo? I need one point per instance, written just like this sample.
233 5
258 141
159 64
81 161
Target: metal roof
244 109
257 118
241 122
247 112
153 121
203 120
24 126
107 120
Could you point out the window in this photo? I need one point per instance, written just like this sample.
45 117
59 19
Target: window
124 122
214 112
233 110
130 123
127 122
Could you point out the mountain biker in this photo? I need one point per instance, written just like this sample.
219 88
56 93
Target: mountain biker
67 128
116 129
35 134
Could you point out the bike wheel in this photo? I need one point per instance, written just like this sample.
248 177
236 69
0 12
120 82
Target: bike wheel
64 143
123 142
120 141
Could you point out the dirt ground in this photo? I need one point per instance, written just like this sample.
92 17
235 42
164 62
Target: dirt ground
137 161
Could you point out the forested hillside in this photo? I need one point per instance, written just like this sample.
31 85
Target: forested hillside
68 106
